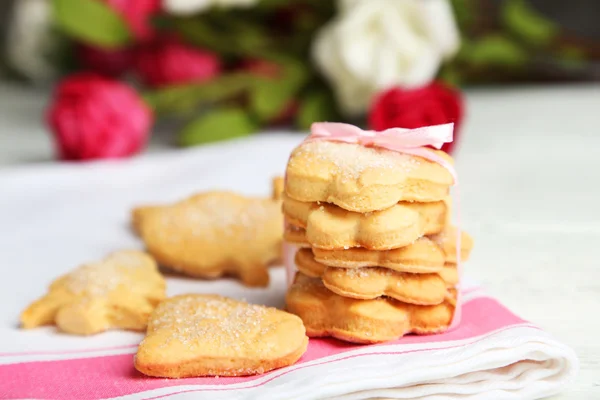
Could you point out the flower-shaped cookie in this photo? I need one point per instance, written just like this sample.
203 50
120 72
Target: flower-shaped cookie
361 179
208 335
363 321
330 227
373 282
118 292
214 234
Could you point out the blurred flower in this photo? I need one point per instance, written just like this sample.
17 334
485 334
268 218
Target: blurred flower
375 44
433 104
93 117
108 62
30 40
196 6
168 61
137 13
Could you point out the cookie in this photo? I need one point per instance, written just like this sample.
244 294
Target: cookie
362 321
449 274
446 240
362 179
118 292
210 335
277 185
422 256
330 227
295 235
374 282
214 234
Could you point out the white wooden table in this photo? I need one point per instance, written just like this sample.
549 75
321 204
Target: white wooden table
529 166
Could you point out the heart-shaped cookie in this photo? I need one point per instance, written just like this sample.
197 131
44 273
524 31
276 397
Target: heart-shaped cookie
210 335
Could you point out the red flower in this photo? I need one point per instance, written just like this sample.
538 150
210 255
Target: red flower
93 117
137 13
113 62
433 104
168 61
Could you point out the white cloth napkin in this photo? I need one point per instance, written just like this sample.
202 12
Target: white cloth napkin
55 217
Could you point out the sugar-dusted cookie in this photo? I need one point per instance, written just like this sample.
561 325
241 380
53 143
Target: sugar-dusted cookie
373 282
330 227
362 321
362 179
208 335
214 234
118 292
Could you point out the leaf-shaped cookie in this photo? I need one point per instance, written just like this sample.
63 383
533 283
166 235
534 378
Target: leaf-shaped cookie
213 234
118 292
208 335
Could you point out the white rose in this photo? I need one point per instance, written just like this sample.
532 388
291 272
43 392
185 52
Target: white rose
183 7
375 44
30 40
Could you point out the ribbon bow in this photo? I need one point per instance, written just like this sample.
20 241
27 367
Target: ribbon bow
407 141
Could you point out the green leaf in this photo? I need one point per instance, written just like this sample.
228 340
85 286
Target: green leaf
494 50
181 99
269 97
216 125
315 107
451 75
528 24
570 58
219 32
91 21
465 12
200 33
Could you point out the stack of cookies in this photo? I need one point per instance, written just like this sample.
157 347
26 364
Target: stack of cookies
377 254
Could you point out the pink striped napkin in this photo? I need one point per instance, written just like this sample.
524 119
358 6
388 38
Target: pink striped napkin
56 217
492 354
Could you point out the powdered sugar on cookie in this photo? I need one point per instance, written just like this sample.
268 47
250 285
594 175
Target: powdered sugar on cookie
200 335
352 160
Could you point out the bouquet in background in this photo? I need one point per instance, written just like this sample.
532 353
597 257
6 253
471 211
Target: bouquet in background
228 68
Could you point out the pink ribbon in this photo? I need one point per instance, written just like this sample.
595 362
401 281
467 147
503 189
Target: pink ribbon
407 141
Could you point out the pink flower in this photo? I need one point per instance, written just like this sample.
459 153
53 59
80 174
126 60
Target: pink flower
168 62
92 117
